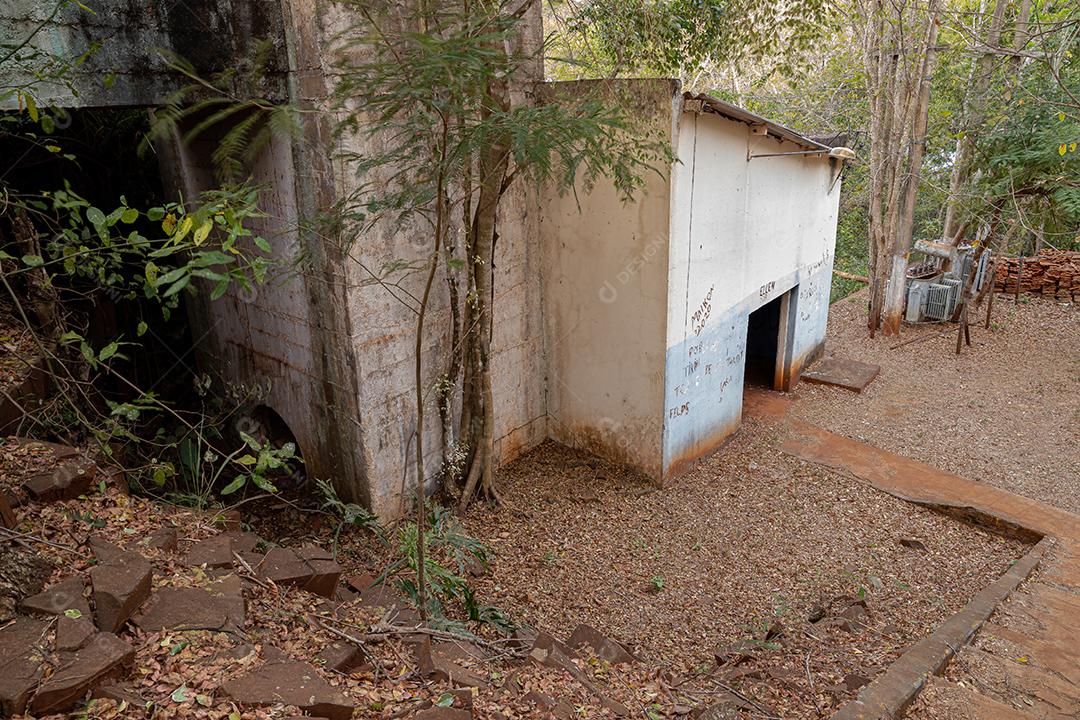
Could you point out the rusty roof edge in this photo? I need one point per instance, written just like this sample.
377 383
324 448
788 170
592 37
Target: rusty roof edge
708 103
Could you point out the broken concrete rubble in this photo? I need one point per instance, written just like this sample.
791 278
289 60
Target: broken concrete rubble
164 539
59 598
289 683
341 657
383 595
20 663
913 543
843 611
602 645
190 608
66 481
853 617
312 569
120 693
552 653
73 633
433 663
214 552
217 551
105 657
121 583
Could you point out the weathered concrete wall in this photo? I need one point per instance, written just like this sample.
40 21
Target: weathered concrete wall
646 304
384 333
126 68
293 335
605 299
743 233
334 348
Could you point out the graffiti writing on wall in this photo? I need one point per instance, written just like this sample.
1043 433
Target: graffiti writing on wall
701 315
811 269
679 410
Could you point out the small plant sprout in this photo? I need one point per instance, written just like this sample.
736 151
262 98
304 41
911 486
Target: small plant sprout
656 583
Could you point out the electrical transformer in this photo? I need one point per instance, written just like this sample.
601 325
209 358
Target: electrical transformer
933 293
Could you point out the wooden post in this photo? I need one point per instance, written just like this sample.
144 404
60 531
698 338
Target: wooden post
960 331
1019 276
967 328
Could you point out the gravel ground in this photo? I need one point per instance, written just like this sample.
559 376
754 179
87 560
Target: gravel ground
749 537
1005 412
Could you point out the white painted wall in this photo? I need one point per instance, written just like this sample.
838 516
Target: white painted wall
743 233
646 304
605 296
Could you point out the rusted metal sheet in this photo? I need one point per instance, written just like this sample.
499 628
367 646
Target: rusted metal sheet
758 124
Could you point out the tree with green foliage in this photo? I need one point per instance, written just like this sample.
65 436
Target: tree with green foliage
428 95
685 39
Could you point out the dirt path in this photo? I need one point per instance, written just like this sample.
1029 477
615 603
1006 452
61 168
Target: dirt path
1005 412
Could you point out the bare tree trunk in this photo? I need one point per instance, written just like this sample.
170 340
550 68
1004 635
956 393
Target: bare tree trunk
875 60
454 358
418 369
902 236
40 292
1021 35
493 166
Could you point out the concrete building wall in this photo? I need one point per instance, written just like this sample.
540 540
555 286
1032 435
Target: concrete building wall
646 304
618 328
743 233
334 348
291 337
707 269
605 289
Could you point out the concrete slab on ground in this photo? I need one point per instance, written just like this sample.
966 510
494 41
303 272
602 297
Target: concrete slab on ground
842 372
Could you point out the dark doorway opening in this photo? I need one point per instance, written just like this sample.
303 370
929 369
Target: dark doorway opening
762 344
94 153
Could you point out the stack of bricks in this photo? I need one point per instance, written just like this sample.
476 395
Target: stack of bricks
1053 273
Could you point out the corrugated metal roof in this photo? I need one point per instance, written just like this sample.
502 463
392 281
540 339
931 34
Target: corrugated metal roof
708 103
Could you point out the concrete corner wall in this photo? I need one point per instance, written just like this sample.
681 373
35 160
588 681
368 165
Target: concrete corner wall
383 332
605 297
291 336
